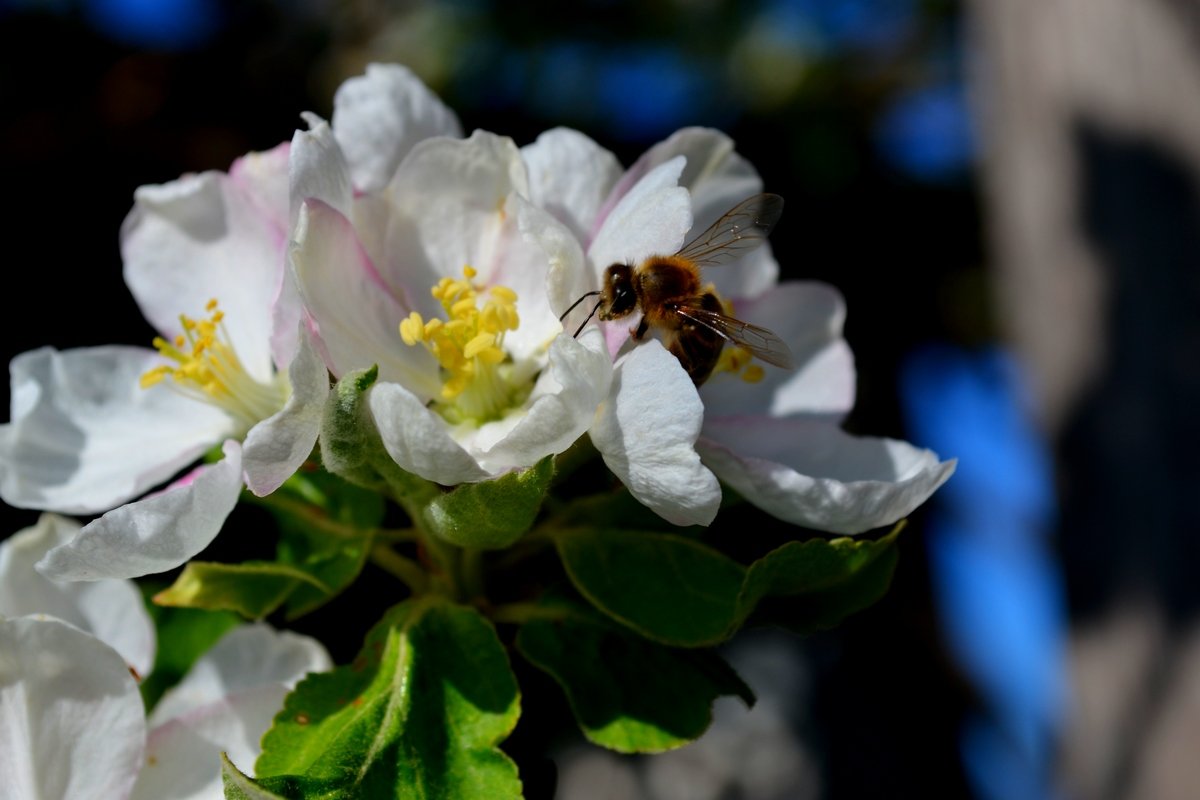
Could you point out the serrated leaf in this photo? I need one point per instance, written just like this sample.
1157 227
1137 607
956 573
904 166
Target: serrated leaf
813 585
252 589
419 714
628 694
493 514
352 449
183 634
239 786
666 587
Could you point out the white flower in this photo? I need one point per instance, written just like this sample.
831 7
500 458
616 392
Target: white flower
95 427
72 722
777 441
434 279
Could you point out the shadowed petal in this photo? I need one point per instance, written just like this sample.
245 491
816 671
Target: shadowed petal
154 534
646 431
810 472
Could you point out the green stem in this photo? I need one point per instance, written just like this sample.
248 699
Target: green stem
405 569
520 613
472 572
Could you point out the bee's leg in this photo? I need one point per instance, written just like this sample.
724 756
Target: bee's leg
638 333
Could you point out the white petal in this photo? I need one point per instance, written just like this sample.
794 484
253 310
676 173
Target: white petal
808 316
318 169
203 237
717 179
72 724
276 447
112 611
521 265
646 431
570 176
246 657
156 533
418 440
651 219
85 436
263 178
225 703
563 404
357 316
380 116
450 197
567 275
810 472
183 756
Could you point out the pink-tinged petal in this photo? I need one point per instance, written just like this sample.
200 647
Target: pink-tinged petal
570 176
646 431
276 447
356 315
72 724
380 116
810 472
86 437
562 407
263 178
808 317
154 534
112 611
183 755
419 440
652 219
449 199
247 657
203 237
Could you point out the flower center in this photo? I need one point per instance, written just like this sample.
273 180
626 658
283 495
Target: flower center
479 383
206 367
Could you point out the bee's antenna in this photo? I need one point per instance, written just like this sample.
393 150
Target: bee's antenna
589 316
577 302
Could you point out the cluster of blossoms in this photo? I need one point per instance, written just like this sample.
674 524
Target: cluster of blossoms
383 239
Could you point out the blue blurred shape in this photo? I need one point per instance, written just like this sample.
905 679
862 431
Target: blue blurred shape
646 92
927 132
996 583
163 24
863 25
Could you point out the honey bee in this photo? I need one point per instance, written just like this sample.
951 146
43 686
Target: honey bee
673 299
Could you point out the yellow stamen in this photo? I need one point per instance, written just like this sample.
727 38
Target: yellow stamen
206 367
469 346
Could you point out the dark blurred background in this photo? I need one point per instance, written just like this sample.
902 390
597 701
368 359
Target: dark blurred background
1004 192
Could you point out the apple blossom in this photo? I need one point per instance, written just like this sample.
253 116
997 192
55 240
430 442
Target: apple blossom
434 280
72 722
94 427
774 436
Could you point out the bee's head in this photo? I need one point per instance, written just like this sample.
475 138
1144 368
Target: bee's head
619 297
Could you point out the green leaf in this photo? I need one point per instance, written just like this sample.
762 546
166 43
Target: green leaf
326 525
253 589
666 587
814 585
183 634
239 786
352 449
419 714
493 514
628 694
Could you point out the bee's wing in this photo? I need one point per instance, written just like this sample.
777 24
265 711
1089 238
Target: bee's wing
738 231
761 342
